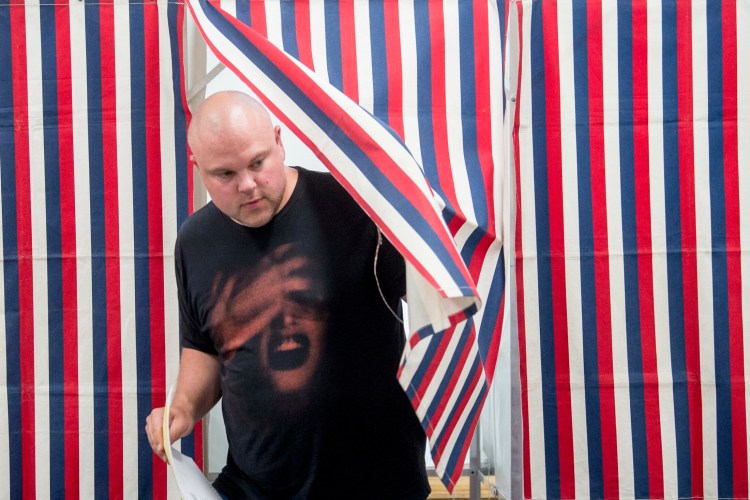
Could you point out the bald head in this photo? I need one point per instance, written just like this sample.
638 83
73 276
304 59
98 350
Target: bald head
240 157
223 113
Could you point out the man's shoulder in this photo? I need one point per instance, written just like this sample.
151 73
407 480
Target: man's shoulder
324 188
199 221
317 178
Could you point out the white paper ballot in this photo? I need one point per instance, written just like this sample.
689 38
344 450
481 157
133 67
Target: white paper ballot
191 482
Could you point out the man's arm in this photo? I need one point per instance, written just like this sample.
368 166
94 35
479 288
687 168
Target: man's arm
196 393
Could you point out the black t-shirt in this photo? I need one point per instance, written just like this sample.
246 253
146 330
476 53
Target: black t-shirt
308 348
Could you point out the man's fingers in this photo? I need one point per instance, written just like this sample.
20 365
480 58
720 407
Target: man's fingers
154 432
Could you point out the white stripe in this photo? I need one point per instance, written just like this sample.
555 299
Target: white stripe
83 251
743 159
409 79
431 392
452 445
574 310
363 55
659 246
527 218
318 39
169 219
229 6
345 164
453 112
703 247
130 424
39 250
621 382
273 23
4 422
464 376
169 200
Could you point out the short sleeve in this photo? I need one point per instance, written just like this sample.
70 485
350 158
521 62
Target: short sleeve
191 333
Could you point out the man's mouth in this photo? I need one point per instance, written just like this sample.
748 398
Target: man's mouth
288 352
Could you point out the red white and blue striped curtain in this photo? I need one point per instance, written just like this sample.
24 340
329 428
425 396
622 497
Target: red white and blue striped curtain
403 102
632 238
95 182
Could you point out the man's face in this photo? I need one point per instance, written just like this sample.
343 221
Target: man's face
243 171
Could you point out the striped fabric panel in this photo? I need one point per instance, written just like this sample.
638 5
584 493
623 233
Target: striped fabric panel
95 182
631 245
449 116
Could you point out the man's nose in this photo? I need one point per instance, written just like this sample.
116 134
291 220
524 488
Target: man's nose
246 181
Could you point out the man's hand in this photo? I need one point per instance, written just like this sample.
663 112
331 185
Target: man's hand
180 424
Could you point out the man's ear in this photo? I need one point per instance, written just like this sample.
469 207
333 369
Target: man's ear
192 160
277 133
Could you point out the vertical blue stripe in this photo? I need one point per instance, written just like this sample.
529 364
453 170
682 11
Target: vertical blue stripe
586 244
492 314
243 11
140 242
471 111
424 93
674 246
463 436
541 203
463 331
98 257
54 253
719 256
378 53
630 247
180 147
289 29
333 43
10 259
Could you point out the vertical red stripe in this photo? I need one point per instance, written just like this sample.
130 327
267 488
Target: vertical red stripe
393 58
645 251
455 419
439 353
439 116
155 231
475 265
466 443
687 221
68 243
734 256
557 250
112 248
483 100
302 22
258 16
348 49
23 229
519 256
608 420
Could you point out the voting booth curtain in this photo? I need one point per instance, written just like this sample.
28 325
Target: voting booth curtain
632 181
568 175
95 182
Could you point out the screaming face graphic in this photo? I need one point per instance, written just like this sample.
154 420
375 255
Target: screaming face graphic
271 322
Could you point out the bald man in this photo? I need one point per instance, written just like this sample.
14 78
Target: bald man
287 316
